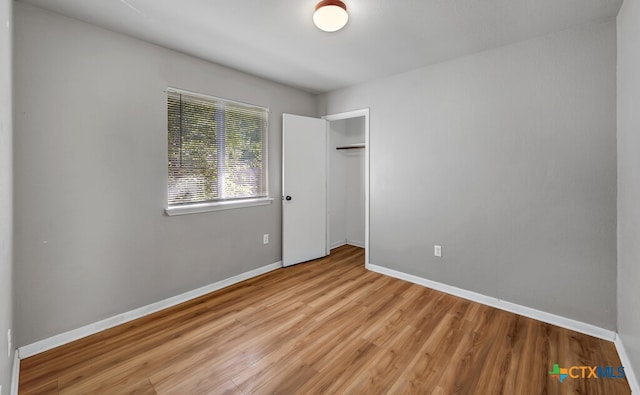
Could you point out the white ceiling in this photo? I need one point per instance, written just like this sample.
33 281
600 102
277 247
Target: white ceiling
276 39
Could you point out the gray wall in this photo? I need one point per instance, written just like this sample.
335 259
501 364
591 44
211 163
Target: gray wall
629 180
91 236
506 158
6 192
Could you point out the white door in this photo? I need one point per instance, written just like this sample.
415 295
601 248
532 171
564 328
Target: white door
304 183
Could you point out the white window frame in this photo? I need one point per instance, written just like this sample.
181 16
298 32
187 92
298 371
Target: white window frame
203 207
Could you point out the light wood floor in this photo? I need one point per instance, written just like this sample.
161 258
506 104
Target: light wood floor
324 327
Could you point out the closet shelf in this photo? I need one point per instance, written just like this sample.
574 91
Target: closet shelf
351 146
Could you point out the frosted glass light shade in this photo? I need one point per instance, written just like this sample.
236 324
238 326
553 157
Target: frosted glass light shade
330 16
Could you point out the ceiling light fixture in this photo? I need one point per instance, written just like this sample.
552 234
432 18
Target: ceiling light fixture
330 15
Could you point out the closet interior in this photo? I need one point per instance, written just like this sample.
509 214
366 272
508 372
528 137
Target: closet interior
346 182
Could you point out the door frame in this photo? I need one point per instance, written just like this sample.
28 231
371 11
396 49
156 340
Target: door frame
338 117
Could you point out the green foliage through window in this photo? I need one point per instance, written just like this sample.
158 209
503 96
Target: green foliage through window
217 149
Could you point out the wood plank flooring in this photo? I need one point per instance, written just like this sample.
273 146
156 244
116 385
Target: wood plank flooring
324 327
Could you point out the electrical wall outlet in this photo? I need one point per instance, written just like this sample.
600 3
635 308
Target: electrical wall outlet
437 250
265 238
8 343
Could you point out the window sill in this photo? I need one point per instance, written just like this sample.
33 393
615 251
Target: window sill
217 206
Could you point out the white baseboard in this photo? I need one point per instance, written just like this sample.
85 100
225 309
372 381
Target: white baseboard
87 330
549 318
338 244
15 374
356 243
628 369
347 242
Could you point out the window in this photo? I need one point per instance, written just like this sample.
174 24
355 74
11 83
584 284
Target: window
217 150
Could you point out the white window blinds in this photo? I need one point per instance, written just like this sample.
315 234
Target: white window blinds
217 149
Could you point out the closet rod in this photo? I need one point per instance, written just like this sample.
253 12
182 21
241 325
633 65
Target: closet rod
353 146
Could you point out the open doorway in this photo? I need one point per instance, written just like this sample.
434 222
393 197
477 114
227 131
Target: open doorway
348 180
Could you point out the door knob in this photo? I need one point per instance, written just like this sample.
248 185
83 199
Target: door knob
288 197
